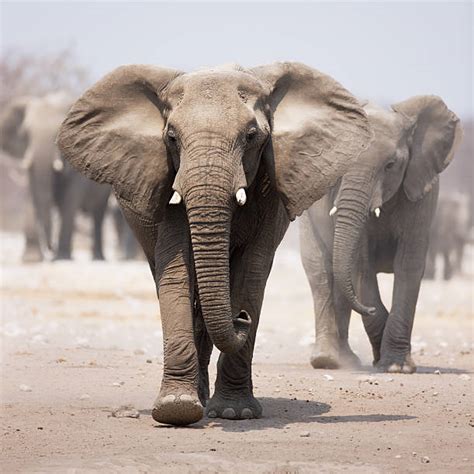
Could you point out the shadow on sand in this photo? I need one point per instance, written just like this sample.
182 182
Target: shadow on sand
281 412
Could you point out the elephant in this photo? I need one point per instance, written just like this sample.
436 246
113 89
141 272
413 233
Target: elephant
377 219
28 128
209 168
449 234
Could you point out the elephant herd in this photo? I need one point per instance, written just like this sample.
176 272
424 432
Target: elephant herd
28 128
210 167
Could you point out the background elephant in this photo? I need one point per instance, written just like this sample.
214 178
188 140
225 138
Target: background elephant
449 234
382 212
240 153
28 128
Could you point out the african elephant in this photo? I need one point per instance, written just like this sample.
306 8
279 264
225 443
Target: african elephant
377 219
209 168
449 234
28 128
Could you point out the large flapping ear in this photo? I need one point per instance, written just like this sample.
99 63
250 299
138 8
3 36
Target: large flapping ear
319 128
13 139
113 134
436 135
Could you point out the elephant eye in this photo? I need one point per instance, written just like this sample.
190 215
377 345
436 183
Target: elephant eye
251 134
171 135
389 165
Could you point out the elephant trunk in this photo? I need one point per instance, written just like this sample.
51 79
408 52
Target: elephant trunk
209 206
353 210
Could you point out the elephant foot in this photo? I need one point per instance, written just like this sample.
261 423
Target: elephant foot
62 256
177 407
325 356
395 363
348 359
240 407
32 255
98 256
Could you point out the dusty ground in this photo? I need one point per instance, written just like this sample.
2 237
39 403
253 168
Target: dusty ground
80 339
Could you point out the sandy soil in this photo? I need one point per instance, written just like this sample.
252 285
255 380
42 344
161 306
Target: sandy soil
80 339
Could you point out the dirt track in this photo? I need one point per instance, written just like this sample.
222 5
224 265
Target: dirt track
85 338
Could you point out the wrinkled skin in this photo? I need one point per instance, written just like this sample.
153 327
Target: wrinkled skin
28 128
449 235
342 254
210 136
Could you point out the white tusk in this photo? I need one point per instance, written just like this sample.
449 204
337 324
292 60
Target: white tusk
241 197
175 198
333 211
58 165
377 212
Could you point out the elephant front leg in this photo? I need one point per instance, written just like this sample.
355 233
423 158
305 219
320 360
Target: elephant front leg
178 402
233 396
396 342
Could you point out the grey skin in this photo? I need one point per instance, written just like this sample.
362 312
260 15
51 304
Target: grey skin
28 128
342 254
449 234
279 134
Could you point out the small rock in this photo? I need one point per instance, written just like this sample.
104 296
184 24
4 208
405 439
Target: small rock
389 379
118 384
149 361
425 459
25 388
60 360
305 434
437 372
464 377
126 411
139 352
413 453
84 396
398 456
435 394
328 377
366 378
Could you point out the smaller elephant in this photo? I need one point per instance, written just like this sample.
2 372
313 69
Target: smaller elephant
449 235
28 128
377 219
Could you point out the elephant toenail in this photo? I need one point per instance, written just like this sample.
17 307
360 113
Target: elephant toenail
228 413
186 398
212 414
247 413
394 368
168 399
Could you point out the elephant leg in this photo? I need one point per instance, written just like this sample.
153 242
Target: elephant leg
374 325
68 208
249 270
97 249
32 251
178 402
430 267
347 357
448 266
396 342
316 231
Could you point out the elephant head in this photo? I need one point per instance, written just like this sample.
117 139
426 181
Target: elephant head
413 143
163 137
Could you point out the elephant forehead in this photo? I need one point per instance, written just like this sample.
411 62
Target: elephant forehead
217 85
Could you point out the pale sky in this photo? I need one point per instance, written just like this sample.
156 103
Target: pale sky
383 51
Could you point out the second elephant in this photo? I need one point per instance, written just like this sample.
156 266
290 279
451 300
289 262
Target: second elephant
28 128
381 216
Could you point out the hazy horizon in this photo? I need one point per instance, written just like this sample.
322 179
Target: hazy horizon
380 51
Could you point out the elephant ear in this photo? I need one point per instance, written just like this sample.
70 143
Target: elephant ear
319 129
13 139
113 134
436 135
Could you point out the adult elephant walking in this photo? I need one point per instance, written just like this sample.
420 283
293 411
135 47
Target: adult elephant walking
382 212
28 128
209 169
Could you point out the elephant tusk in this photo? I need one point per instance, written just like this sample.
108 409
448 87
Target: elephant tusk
58 165
333 211
241 197
377 212
175 198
